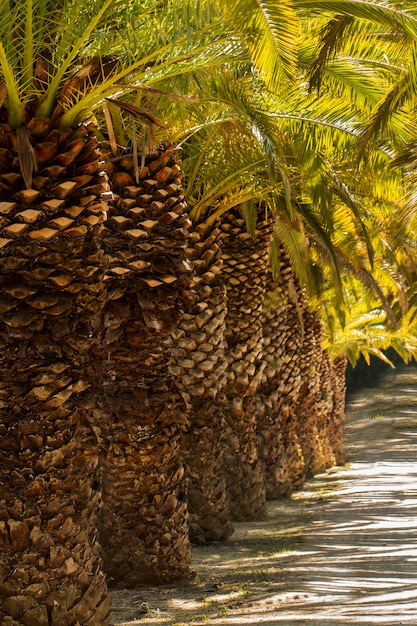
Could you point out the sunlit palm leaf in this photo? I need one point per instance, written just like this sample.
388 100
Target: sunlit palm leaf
379 12
271 30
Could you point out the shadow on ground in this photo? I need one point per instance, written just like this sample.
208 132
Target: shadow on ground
341 551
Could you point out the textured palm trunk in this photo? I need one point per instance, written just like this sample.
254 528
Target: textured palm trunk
50 295
320 411
300 402
199 363
337 416
277 396
143 519
315 399
245 268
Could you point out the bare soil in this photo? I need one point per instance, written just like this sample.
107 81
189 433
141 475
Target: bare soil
341 551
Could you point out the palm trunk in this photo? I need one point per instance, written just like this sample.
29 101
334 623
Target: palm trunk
315 400
300 402
199 362
51 293
321 404
245 267
337 416
143 519
277 396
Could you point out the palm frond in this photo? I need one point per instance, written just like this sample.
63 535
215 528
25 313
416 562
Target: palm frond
387 116
330 38
249 211
16 107
373 11
271 30
291 236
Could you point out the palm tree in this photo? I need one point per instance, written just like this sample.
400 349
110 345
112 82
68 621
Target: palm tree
279 389
52 289
216 253
315 401
285 17
199 362
53 199
207 305
148 287
245 263
306 221
378 38
214 182
383 201
143 519
223 189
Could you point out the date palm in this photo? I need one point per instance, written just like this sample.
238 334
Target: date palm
147 244
279 389
53 200
52 285
302 181
204 348
232 194
216 288
143 519
320 132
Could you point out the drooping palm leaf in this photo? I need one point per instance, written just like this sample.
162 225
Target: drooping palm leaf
375 12
271 30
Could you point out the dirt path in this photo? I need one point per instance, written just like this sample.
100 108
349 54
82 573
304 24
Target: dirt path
342 551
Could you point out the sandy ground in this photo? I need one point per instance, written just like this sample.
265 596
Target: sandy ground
341 551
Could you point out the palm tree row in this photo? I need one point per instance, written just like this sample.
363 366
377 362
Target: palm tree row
111 287
58 407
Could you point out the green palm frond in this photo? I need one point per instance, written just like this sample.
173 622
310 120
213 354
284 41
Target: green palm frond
47 49
41 46
249 211
291 236
355 80
402 21
330 36
370 46
271 30
16 107
365 333
229 193
243 96
388 117
293 151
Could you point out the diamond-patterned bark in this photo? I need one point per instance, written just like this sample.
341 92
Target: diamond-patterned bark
283 328
337 417
197 346
50 293
320 410
143 519
245 263
168 399
315 399
300 402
